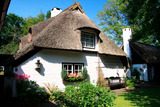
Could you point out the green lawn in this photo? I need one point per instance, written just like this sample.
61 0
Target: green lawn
141 98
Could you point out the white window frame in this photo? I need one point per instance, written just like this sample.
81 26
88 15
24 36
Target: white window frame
84 39
78 70
73 67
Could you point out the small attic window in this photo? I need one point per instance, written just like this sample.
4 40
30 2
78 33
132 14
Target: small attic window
88 40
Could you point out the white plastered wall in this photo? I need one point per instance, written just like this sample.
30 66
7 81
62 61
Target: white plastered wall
51 66
144 73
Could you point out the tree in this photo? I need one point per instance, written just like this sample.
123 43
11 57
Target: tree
32 21
145 14
11 29
15 27
48 14
11 32
112 20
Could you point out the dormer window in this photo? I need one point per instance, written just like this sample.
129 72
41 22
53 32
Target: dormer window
88 40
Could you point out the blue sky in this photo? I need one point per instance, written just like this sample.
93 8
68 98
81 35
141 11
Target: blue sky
26 8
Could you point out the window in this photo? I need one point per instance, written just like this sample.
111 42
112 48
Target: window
87 40
73 67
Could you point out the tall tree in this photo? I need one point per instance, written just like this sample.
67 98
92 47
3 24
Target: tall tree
48 14
112 20
145 14
10 33
32 21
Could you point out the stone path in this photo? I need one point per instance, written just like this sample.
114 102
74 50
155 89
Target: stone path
122 91
138 87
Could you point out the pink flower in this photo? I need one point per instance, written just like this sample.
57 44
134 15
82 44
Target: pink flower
27 76
16 75
16 78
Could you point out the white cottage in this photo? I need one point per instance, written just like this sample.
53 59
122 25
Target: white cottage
145 58
71 40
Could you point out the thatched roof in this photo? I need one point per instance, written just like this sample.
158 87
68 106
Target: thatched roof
60 32
148 53
4 4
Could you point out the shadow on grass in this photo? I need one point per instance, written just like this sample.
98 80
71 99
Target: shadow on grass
147 97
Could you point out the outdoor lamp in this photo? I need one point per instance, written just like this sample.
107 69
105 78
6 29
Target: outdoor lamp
38 65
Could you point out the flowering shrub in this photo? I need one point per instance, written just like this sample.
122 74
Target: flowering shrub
29 91
85 95
71 77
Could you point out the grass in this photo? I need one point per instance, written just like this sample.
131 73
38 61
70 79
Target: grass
142 98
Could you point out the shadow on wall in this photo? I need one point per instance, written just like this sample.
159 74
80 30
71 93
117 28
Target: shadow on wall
111 62
40 70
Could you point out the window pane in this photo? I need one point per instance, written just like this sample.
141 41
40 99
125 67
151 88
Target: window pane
91 45
65 66
87 45
80 67
83 39
91 41
69 71
87 40
69 67
76 67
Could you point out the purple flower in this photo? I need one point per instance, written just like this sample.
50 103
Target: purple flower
43 91
28 89
37 91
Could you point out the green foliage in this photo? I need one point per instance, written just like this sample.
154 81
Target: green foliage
10 48
144 15
29 91
32 21
140 98
71 79
15 27
84 94
48 14
85 73
131 83
10 34
112 20
64 74
136 73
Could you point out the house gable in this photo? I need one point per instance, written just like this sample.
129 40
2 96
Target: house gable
64 32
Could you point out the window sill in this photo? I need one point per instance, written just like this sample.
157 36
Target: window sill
89 49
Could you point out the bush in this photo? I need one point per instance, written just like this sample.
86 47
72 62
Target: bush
85 73
29 91
136 73
84 94
64 74
131 83
71 77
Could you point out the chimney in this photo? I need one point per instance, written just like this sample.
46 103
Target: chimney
127 35
55 11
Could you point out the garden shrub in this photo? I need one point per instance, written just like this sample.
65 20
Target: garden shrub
29 91
136 73
64 74
84 94
71 77
85 73
131 83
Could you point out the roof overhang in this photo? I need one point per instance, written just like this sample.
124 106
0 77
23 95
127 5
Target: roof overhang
91 28
4 4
